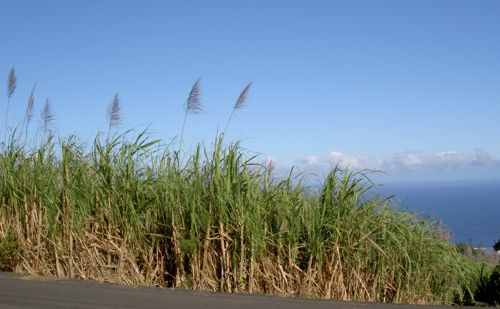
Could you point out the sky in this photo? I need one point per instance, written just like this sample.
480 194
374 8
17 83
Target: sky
411 88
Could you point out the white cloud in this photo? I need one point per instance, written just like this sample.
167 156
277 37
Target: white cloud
407 161
406 166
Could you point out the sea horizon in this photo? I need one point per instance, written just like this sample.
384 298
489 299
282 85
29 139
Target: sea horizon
469 209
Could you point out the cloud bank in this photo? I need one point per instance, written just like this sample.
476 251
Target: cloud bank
400 161
477 164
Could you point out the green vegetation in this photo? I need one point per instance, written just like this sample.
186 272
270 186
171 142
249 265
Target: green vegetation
481 255
129 209
488 291
9 251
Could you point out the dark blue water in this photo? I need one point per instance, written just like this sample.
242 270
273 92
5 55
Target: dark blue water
471 209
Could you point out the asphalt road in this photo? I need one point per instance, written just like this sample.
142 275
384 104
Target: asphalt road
18 291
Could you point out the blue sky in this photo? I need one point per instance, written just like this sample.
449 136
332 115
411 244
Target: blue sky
409 87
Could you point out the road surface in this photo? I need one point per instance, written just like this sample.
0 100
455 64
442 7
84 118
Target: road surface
17 291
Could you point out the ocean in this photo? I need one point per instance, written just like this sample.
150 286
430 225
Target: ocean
471 209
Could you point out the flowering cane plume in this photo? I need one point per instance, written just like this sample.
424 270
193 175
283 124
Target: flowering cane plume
192 105
46 116
114 114
11 87
28 115
11 83
240 103
193 102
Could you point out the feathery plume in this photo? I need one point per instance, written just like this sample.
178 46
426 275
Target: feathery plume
114 114
11 87
47 115
192 105
28 115
193 102
30 105
240 103
242 99
11 82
